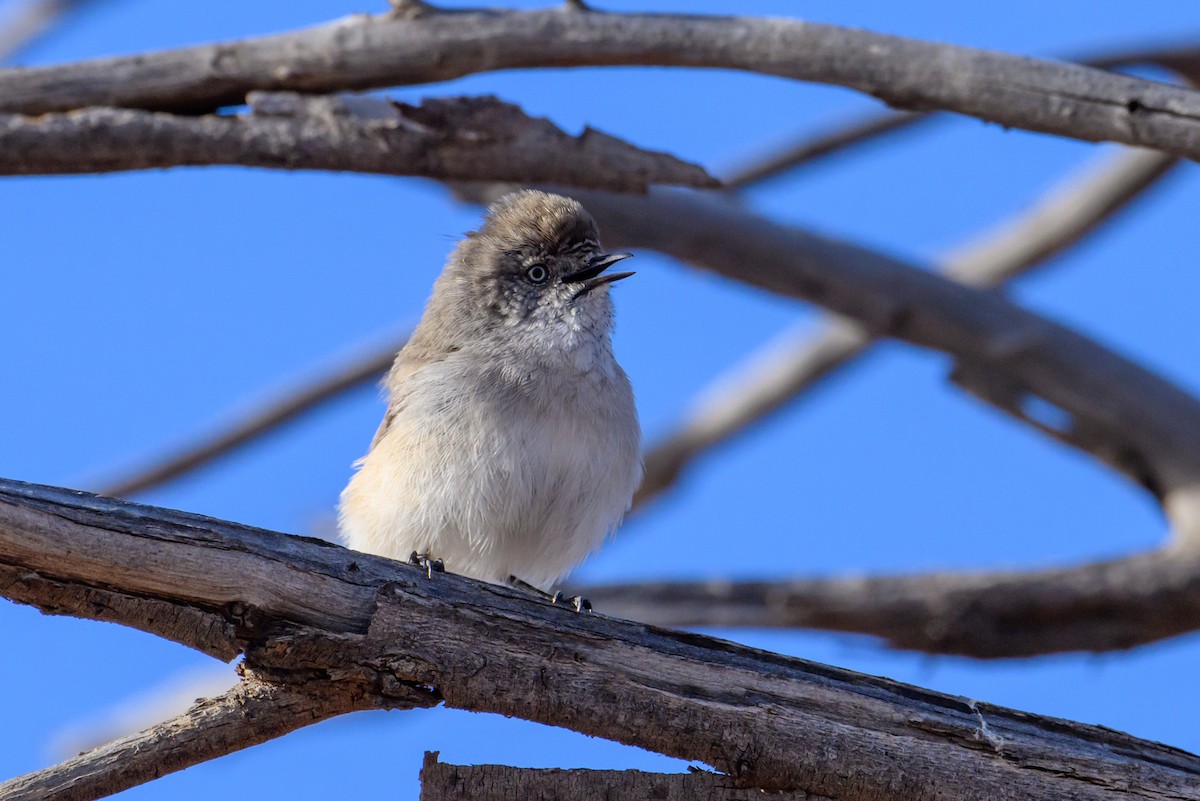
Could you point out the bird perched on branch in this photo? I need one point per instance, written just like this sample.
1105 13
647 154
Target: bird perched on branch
510 446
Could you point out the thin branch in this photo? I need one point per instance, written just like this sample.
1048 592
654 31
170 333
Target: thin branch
31 21
442 781
364 52
226 438
809 148
444 138
800 360
1183 60
383 627
253 712
156 701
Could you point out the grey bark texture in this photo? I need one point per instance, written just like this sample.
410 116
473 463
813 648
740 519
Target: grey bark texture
441 781
446 138
364 52
303 610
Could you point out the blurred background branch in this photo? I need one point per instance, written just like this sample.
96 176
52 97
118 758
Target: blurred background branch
797 361
24 22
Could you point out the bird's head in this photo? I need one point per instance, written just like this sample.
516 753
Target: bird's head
537 261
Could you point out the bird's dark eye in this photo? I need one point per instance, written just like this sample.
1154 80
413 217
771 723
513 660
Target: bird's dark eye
537 274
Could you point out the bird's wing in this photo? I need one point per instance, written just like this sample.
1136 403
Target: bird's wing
397 377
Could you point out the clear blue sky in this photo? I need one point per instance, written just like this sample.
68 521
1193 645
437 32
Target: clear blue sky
138 309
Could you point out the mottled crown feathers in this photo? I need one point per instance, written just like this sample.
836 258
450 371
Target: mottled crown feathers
530 217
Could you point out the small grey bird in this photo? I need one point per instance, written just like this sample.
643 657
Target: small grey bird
510 447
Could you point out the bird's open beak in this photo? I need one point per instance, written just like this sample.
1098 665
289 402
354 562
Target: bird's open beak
591 277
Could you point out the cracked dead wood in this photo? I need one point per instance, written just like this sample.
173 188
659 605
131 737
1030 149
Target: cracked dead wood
442 781
306 611
800 360
444 138
363 52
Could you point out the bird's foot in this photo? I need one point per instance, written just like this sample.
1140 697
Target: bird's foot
557 598
580 603
430 566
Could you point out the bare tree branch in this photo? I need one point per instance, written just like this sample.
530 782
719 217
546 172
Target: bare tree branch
770 378
324 386
787 371
31 20
441 781
1096 607
1020 362
809 148
446 138
380 627
800 360
250 713
1064 216
363 52
1103 606
1185 61
159 699
365 367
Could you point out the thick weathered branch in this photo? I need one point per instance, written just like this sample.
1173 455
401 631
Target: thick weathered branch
260 420
441 781
444 138
363 52
305 607
253 712
800 360
1185 61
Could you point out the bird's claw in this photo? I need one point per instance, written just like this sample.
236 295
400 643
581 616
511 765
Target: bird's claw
430 566
580 603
